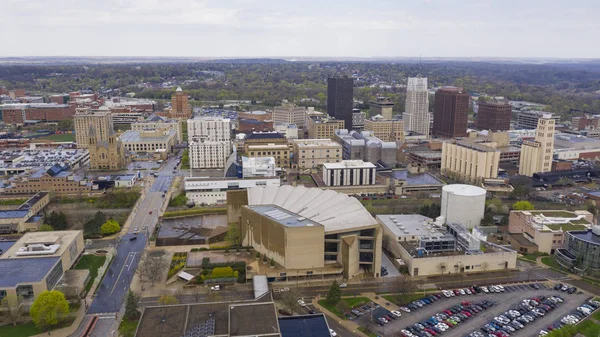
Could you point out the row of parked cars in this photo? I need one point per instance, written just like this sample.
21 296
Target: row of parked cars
361 310
446 319
574 317
518 317
565 288
415 305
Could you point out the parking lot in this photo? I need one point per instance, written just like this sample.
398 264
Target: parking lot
507 300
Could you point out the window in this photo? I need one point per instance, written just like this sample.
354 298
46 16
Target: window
26 291
54 276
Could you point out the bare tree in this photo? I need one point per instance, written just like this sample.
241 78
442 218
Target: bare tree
406 286
152 265
289 299
11 307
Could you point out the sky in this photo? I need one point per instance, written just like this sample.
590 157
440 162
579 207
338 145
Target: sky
307 28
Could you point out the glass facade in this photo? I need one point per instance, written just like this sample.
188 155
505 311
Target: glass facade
55 274
586 247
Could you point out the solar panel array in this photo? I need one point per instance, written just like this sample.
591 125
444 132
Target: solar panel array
202 330
278 215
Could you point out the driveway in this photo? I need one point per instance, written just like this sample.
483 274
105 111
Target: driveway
392 270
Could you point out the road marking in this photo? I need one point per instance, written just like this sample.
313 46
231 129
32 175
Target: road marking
121 272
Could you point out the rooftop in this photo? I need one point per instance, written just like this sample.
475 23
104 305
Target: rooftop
464 190
409 225
243 317
336 211
62 238
131 136
417 179
349 164
265 135
284 217
570 141
14 271
557 220
315 143
586 235
304 326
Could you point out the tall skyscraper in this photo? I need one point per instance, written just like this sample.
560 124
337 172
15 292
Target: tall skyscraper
536 155
101 119
180 107
416 115
450 112
340 99
494 115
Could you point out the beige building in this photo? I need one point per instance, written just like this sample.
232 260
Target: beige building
323 128
536 155
106 153
37 262
386 130
149 140
269 144
381 106
208 154
100 119
544 231
311 153
64 182
161 123
290 114
24 217
309 231
470 161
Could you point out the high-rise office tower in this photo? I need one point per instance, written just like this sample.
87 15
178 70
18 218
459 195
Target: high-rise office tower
416 115
494 115
536 155
450 112
180 107
101 119
340 99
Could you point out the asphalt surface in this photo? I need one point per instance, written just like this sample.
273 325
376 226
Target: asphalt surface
514 294
111 292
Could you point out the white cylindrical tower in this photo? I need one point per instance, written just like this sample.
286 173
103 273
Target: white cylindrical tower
464 204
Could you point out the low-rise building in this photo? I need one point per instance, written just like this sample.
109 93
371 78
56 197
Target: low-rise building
323 127
290 131
20 113
149 140
24 217
258 167
358 120
349 173
290 114
529 119
312 153
544 231
56 179
388 130
268 144
19 161
212 191
582 251
309 231
37 262
157 123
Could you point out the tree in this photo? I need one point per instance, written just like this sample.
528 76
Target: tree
49 309
233 234
11 307
406 286
167 300
152 265
342 306
289 299
58 220
523 206
45 228
110 227
334 295
131 306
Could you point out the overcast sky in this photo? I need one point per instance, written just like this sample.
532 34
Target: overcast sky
268 28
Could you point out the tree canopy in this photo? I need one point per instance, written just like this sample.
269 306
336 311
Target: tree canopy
49 309
334 294
56 220
110 227
523 205
45 228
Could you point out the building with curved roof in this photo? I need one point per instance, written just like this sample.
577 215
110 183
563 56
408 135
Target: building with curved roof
309 231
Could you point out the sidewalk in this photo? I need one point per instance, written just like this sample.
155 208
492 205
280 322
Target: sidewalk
350 325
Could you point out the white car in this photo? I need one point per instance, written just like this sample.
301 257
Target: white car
543 332
501 288
333 333
461 291
343 285
396 313
215 288
405 309
468 291
485 289
446 293
301 303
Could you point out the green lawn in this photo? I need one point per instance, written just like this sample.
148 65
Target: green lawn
567 227
366 331
352 302
127 327
561 214
407 298
195 211
550 262
64 137
12 202
91 263
22 330
532 257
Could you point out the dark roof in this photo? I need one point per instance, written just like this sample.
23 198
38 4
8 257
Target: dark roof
5 245
13 214
265 135
417 178
304 326
24 270
522 240
243 318
54 170
586 235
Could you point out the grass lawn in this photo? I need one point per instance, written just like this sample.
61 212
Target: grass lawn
366 331
64 137
22 330
91 263
352 302
407 298
550 262
127 327
531 257
12 202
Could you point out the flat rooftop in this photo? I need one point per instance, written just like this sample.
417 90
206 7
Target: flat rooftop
133 136
242 320
315 143
304 326
409 225
417 179
64 238
570 141
336 211
349 164
14 271
5 245
283 216
10 159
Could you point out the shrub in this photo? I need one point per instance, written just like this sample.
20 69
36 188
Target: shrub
205 262
110 227
257 255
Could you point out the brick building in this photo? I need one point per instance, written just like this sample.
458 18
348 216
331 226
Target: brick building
494 115
450 113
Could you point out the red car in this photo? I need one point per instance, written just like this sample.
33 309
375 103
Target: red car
150 212
465 303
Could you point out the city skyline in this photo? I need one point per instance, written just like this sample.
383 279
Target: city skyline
266 28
